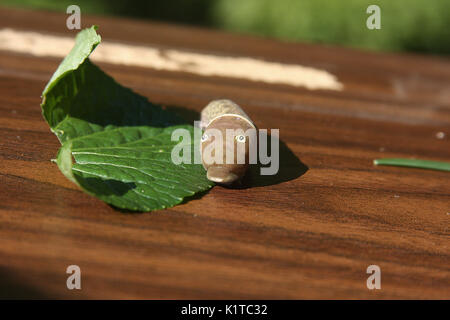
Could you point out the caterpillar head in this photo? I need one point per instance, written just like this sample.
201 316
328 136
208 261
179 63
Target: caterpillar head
226 135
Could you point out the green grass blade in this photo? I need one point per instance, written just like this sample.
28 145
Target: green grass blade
414 163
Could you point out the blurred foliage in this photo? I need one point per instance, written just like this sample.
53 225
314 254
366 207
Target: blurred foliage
407 25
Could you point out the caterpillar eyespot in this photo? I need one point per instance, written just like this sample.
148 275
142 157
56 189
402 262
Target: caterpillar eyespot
240 138
204 137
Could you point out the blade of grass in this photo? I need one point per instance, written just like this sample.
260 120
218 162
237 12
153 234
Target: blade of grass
413 163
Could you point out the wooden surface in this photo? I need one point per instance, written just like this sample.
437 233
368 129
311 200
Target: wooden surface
307 235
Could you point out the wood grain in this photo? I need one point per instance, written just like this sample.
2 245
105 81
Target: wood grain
307 235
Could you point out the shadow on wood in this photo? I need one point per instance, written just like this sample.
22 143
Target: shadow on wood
290 168
11 287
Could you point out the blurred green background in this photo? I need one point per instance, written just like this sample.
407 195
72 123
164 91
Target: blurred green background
407 25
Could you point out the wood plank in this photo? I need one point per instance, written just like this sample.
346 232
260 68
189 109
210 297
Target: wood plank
312 236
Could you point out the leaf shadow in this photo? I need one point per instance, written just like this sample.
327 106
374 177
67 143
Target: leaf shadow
196 196
186 116
105 187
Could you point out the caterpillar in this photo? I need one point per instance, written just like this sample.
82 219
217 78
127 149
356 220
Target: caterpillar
218 116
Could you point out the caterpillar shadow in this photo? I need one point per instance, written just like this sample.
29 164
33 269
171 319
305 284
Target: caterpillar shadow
290 168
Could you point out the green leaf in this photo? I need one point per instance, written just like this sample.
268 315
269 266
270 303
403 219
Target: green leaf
116 145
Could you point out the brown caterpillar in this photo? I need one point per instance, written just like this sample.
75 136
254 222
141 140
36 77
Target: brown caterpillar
222 115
